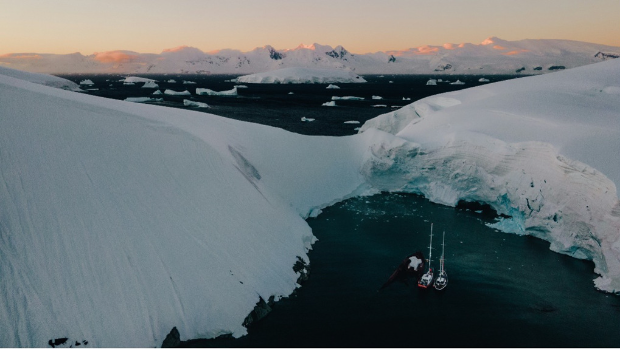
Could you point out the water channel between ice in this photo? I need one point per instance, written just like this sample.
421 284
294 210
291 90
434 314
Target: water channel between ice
504 289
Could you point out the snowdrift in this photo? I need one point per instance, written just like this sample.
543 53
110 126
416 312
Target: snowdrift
542 150
302 76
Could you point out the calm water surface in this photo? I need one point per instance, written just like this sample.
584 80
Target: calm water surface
504 290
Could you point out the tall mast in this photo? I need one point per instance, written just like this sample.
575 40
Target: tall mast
443 247
430 248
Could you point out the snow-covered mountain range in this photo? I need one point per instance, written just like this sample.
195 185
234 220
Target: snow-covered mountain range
492 56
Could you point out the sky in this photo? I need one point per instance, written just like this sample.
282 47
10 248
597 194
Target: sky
150 26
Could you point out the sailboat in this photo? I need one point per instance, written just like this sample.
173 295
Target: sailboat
427 278
442 280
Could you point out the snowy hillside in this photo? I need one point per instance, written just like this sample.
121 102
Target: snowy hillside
302 76
119 221
543 150
492 56
41 79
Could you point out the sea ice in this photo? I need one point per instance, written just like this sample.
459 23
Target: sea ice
431 82
483 80
206 91
457 82
189 103
150 84
332 87
329 104
377 97
348 98
303 118
143 99
380 106
87 82
158 92
176 93
352 122
185 82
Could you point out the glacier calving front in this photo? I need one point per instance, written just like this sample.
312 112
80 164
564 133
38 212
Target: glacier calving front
119 220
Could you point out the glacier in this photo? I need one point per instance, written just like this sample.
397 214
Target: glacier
302 76
119 221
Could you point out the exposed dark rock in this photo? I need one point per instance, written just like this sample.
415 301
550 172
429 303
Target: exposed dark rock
261 310
57 341
605 56
173 339
338 52
557 67
520 70
392 59
443 67
275 55
303 269
537 68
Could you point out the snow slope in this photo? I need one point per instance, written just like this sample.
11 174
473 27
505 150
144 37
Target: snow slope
42 79
120 220
543 150
302 76
492 56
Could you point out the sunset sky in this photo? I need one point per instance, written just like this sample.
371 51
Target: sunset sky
67 26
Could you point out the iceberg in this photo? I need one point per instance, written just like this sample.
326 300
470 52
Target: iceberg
347 98
87 82
206 91
171 81
406 99
377 97
457 82
150 84
176 93
332 87
379 106
352 122
240 86
158 92
135 79
189 82
143 99
432 82
303 118
329 104
302 76
189 103
483 80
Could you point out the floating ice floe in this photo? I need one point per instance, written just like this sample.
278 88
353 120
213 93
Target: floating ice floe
483 80
377 97
135 79
158 92
347 98
206 91
329 104
240 86
150 84
189 103
171 81
143 99
302 76
431 82
128 83
185 82
352 122
380 106
303 118
406 99
176 93
87 82
332 87
457 82
391 82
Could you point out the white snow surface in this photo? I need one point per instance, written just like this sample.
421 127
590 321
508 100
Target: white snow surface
122 220
302 76
543 150
176 93
206 91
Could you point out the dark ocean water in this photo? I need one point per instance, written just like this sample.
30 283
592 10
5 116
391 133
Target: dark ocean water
504 290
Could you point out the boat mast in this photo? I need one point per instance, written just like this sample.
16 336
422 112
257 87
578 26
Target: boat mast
430 249
443 247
